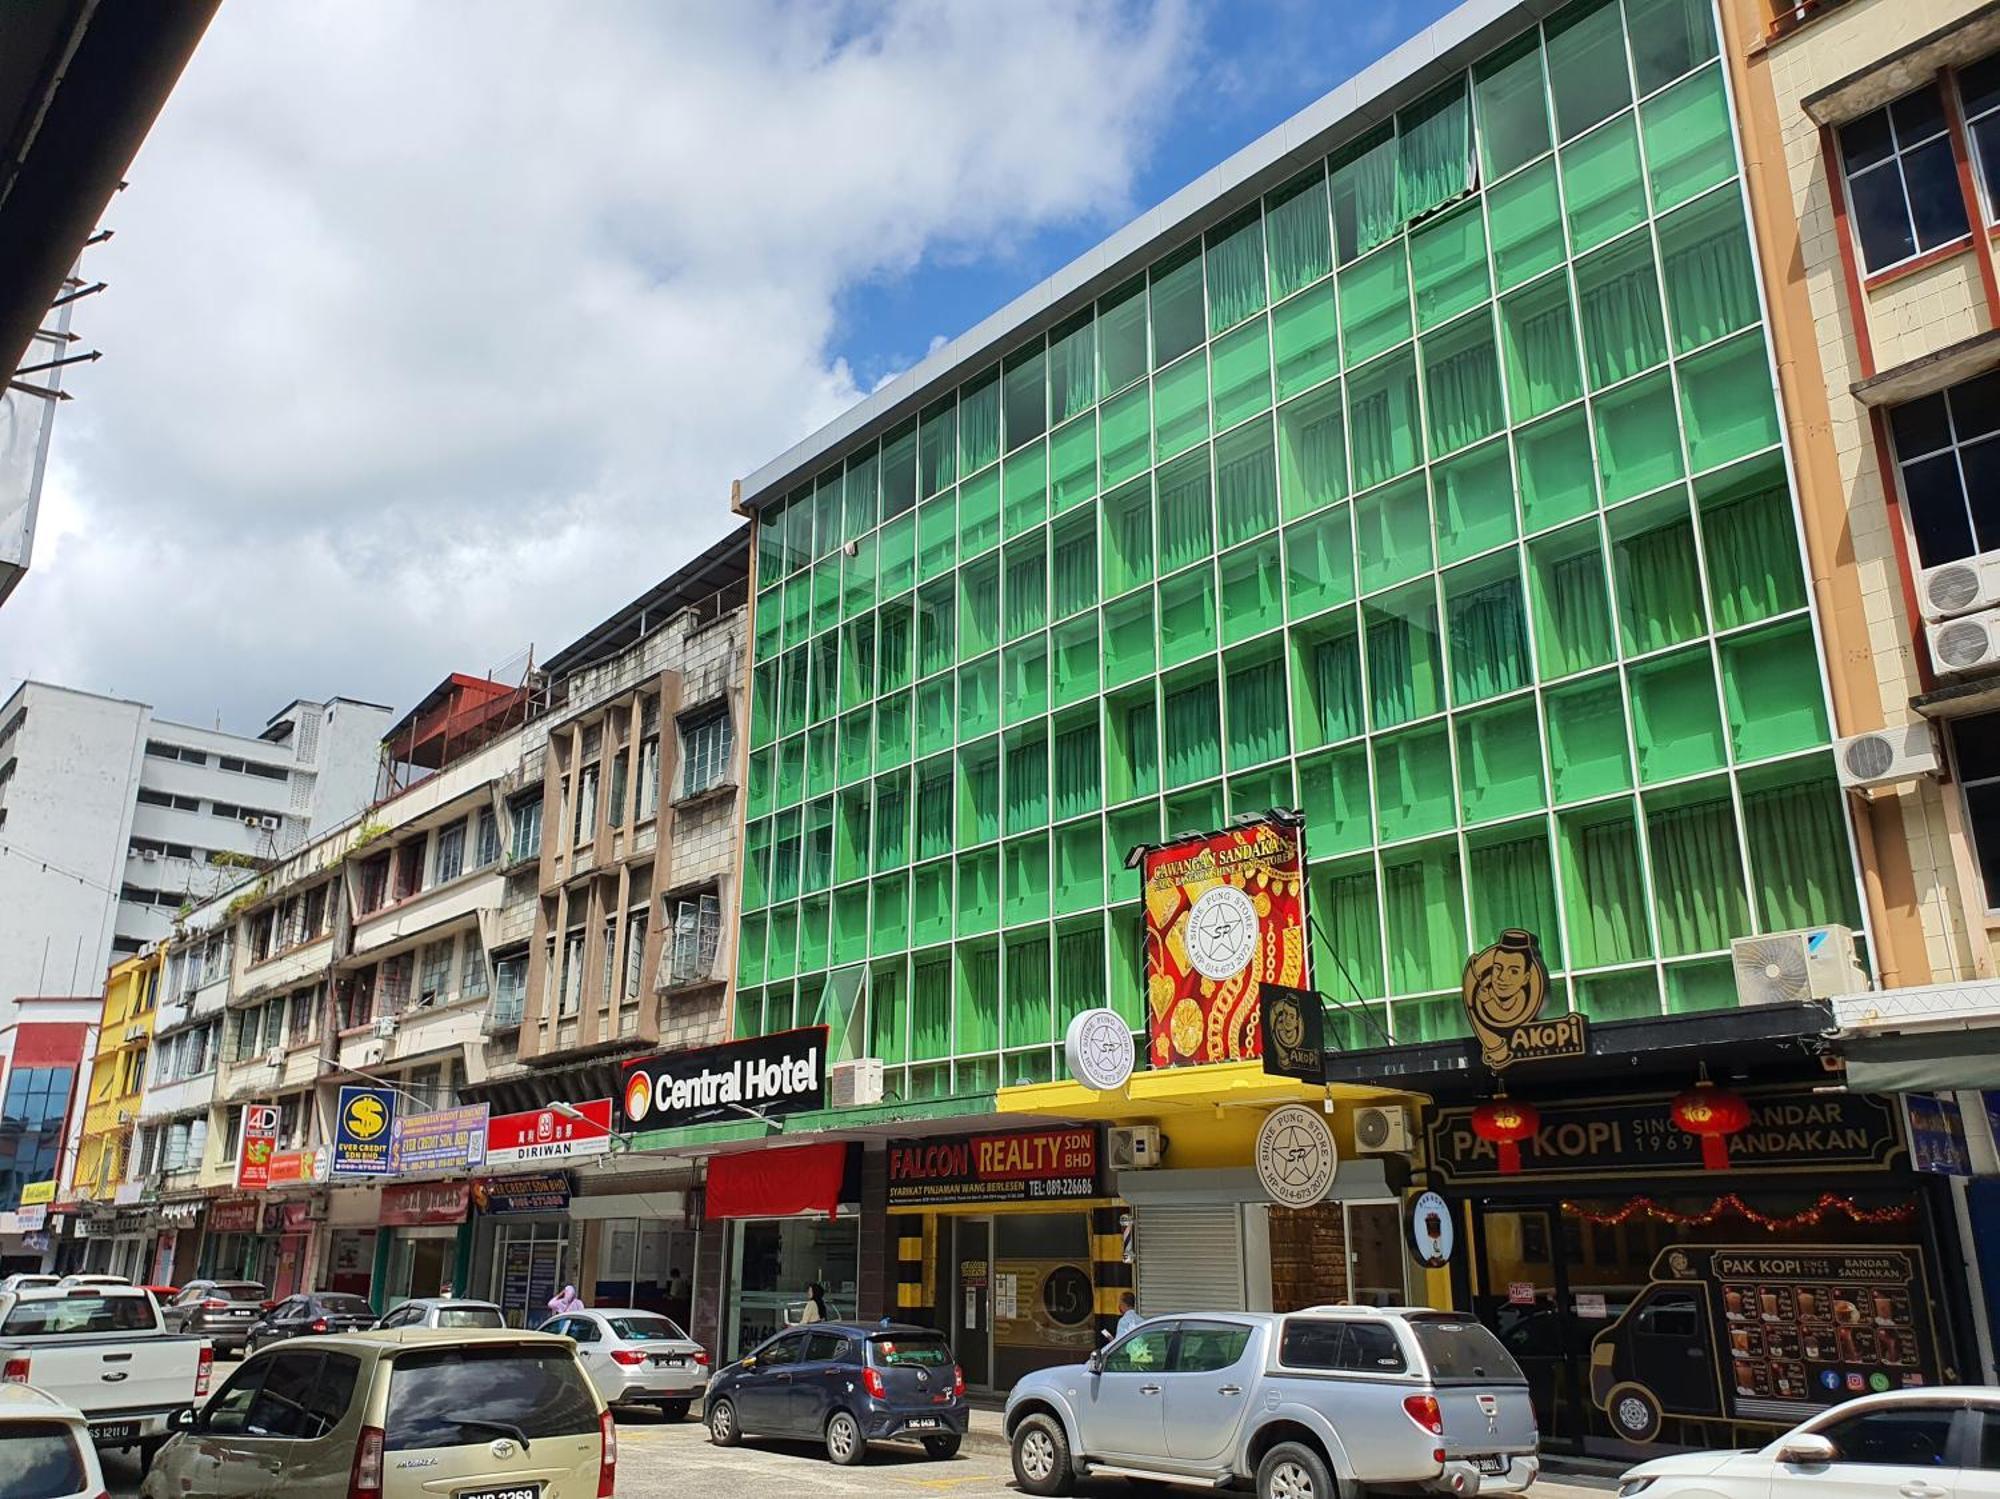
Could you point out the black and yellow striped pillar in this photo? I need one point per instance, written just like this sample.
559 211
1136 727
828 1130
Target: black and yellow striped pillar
916 1242
1109 1271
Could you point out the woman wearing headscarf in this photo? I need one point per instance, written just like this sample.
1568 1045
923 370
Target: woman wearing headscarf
565 1301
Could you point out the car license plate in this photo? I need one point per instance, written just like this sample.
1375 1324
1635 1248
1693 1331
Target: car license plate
1495 1465
113 1431
512 1491
669 1361
921 1423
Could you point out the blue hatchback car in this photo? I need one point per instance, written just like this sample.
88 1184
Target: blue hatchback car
845 1384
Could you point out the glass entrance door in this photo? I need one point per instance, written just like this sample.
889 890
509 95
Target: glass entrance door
1523 1295
971 1308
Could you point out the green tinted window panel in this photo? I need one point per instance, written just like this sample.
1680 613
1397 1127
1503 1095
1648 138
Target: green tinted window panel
1587 71
771 542
1180 407
1125 435
937 448
1588 752
1405 657
857 745
1439 1018
826 515
937 536
1121 338
1074 662
1513 885
1688 145
978 911
1603 184
930 902
978 607
1072 368
1525 212
1486 628
792 770
1175 291
979 422
770 624
895 644
758 798
1771 685
1024 386
1128 537
899 471
1127 828
1240 374
1025 489
795 672
860 504
1319 562
1073 564
1728 403
936 790
1187 615
756 864
1235 271
1305 339
1254 704
1392 527
1129 640
1701 986
899 556
1462 384
1074 779
1500 762
1333 794
1029 1016
979 792
1448 265
1025 675
936 714
1261 791
853 820
1073 462
1026 865
1246 483
1658 574
822 760
1676 724
1668 38
1079 866
1750 542
1557 470
1571 603
1079 965
816 847
1253 591
782 951
1472 498
1618 300
763 702
1539 335
1025 778
1327 696
1191 727
1375 304
1434 151
1413 783
1131 744
826 594
1186 524
1382 406
1347 946
892 730
1511 105
857 661
785 856
979 697
979 513
1199 807
1423 909
1363 192
937 625
978 999
1795 825
750 962
889 917
1705 262
889 1009
1638 438
825 695
1604 888
1312 451
1633 995
1299 243
1025 584
1699 900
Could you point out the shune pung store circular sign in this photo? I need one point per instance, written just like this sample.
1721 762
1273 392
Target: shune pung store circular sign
1296 1158
1098 1048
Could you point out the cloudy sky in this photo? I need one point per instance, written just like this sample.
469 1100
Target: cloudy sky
437 331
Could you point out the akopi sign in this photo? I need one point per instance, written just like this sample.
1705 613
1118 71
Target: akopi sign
1041 1165
757 1078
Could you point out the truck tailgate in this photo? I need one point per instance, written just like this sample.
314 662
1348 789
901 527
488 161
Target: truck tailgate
1486 1418
112 1374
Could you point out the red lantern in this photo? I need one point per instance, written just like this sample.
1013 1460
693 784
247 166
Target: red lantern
1712 1115
1505 1123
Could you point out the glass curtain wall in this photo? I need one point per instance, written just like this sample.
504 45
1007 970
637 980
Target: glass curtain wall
1439 494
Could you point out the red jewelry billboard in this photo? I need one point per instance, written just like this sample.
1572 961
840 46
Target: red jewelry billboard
1225 913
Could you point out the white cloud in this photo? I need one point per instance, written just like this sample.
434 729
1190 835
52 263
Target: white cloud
436 329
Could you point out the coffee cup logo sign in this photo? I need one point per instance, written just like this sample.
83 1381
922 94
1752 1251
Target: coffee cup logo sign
1431 1232
1296 1158
1505 986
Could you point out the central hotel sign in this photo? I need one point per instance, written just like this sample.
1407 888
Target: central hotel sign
758 1078
1042 1165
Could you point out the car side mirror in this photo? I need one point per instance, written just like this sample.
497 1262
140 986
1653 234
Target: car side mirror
183 1419
1806 1450
1095 1363
749 1360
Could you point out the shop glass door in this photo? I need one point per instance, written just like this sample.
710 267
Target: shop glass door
971 1304
1374 1236
775 1260
419 1266
528 1270
1523 1295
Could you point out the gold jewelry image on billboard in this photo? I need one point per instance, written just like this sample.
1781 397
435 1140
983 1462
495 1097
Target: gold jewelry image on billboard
1505 986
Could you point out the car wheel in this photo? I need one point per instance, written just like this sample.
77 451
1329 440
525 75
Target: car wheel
1634 1412
722 1427
1292 1470
1041 1456
844 1442
940 1448
674 1410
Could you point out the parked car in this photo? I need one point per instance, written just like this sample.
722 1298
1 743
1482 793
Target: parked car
636 1357
28 1281
1305 1405
220 1310
105 1350
163 1294
95 1280
444 1311
846 1385
309 1313
45 1448
1926 1443
408 1414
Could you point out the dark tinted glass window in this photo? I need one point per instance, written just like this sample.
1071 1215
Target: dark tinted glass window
824 1348
1949 458
227 1412
303 1396
1670 1314
1459 1348
42 1462
79 1313
450 1397
1357 1346
1208 1346
469 1316
1902 180
238 1290
349 1306
1902 1436
643 1329
930 1353
782 1350
1986 1447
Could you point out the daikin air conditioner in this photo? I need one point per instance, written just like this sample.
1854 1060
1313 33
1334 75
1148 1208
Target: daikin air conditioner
385 1026
268 824
1954 588
1786 967
856 1084
1383 1130
1966 643
1883 757
1136 1147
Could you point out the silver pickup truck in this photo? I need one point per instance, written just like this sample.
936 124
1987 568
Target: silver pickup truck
1307 1405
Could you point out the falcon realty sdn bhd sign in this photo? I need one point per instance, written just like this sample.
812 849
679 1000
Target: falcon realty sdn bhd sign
1225 914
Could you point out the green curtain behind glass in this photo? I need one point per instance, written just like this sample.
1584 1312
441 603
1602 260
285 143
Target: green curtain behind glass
1336 669
1027 991
1511 888
1377 454
1076 771
1364 199
1257 730
1348 935
1132 539
979 781
1434 155
936 624
934 812
1489 648
1544 352
1321 454
1753 558
1659 585
1079 972
1246 490
1573 593
1027 784
1421 897
978 999
1392 694
1711 285
888 1012
1607 900
979 426
1697 877
930 1010
1184 520
1464 390
1799 856
1235 277
1073 584
1072 374
1295 229
1192 734
1622 333
1026 588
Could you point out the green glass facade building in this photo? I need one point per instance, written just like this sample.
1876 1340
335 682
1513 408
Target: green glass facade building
1431 484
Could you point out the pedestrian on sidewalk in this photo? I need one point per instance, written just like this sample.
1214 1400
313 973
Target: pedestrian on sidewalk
564 1302
1128 1313
815 1309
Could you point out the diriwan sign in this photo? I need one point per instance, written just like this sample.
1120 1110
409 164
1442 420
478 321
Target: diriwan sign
757 1078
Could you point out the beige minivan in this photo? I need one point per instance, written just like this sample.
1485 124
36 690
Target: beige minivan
412 1413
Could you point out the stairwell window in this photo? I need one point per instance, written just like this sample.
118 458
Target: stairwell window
1948 453
1902 180
449 862
472 970
488 847
571 990
635 952
435 979
525 814
394 995
705 749
510 989
648 798
616 812
697 929
1976 749
586 804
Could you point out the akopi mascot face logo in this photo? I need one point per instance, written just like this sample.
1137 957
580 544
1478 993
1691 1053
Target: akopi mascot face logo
366 1118
638 1095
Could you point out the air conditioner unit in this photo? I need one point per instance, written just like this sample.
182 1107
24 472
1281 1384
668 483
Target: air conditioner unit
135 1033
1885 756
275 1057
268 824
1383 1130
1135 1147
124 1116
1784 967
385 1026
1954 588
1966 643
856 1084
150 855
250 821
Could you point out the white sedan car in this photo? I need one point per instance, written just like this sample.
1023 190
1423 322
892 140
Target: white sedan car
636 1357
1941 1443
45 1448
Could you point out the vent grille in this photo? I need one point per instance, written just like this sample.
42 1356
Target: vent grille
1961 643
1952 589
1869 757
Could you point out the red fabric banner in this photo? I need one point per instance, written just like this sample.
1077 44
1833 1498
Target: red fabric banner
777 1183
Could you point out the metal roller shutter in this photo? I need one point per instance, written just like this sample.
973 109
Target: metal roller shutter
1190 1258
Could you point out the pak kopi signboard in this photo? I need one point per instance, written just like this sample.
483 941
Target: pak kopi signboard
758 1078
549 1134
362 1130
1225 914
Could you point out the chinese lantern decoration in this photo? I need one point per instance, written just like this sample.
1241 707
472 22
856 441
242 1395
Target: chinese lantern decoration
1712 1115
1506 1123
